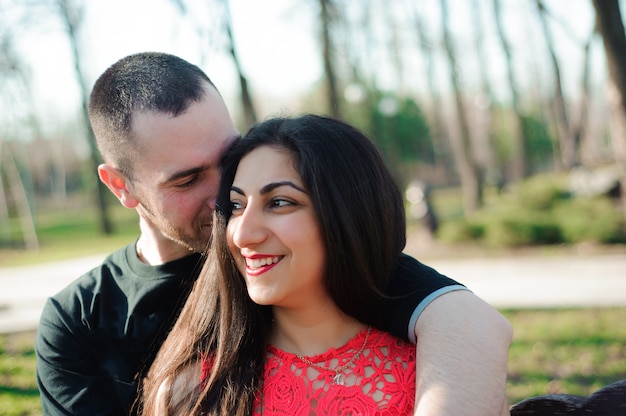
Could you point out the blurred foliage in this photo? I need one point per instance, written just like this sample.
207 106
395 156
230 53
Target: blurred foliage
396 124
401 131
538 211
590 219
539 143
537 138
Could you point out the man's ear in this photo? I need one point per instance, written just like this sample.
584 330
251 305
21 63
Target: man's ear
117 182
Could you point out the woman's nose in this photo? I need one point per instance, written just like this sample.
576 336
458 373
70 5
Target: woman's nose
249 227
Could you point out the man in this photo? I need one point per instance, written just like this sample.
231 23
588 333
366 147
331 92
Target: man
161 126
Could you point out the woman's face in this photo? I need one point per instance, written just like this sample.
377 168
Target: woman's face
273 232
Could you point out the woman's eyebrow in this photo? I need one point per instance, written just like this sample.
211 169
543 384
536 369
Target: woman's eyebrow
271 186
237 190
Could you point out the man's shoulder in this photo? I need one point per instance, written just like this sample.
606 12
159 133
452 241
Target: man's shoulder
408 269
407 265
93 280
74 302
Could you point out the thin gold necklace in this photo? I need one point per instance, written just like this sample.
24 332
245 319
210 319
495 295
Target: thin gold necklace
339 378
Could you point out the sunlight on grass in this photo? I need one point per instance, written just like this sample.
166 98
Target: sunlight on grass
18 388
573 351
73 232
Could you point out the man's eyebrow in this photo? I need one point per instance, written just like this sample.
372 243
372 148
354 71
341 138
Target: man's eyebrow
185 173
198 169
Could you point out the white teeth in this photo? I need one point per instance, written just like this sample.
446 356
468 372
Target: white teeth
256 263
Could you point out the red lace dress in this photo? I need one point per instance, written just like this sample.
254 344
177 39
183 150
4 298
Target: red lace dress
380 381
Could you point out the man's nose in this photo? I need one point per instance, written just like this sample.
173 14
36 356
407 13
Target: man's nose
211 203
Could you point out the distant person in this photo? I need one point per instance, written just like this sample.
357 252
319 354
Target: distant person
161 127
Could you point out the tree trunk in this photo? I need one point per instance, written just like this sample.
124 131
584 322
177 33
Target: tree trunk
491 165
5 228
246 98
567 146
470 175
439 135
71 18
396 49
59 186
518 168
16 187
610 26
580 124
329 69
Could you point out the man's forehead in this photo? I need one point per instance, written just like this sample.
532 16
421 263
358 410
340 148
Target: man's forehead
194 139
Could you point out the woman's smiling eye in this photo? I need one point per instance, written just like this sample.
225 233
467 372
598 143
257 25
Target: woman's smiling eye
235 206
280 202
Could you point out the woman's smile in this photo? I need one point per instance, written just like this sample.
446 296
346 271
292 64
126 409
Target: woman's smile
259 264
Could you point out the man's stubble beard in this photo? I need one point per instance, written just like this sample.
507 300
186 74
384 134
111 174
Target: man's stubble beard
197 243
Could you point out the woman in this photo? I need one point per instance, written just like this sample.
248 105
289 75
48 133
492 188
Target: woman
284 317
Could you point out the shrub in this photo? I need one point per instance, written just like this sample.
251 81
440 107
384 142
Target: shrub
590 219
460 231
521 231
540 193
539 211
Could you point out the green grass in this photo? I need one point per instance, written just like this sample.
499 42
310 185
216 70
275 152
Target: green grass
69 232
18 389
574 351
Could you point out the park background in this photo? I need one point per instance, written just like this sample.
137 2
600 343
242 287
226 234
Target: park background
504 122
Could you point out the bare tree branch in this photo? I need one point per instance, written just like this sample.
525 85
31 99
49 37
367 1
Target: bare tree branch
519 168
470 174
567 144
610 25
72 16
326 18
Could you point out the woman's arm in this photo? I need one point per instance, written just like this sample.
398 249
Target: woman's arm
462 352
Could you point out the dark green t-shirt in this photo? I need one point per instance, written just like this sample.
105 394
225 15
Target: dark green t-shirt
98 334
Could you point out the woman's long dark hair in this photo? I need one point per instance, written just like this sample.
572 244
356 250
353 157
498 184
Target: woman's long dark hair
360 213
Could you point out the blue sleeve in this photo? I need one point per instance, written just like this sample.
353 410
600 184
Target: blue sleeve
424 303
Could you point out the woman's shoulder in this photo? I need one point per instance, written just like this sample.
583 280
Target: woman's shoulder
385 339
385 346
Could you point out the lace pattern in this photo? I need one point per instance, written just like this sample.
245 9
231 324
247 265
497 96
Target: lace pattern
380 382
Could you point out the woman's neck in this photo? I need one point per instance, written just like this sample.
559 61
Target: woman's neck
312 332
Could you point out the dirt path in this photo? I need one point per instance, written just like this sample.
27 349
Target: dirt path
516 279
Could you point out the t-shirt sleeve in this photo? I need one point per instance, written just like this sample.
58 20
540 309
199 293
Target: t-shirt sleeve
68 380
411 287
